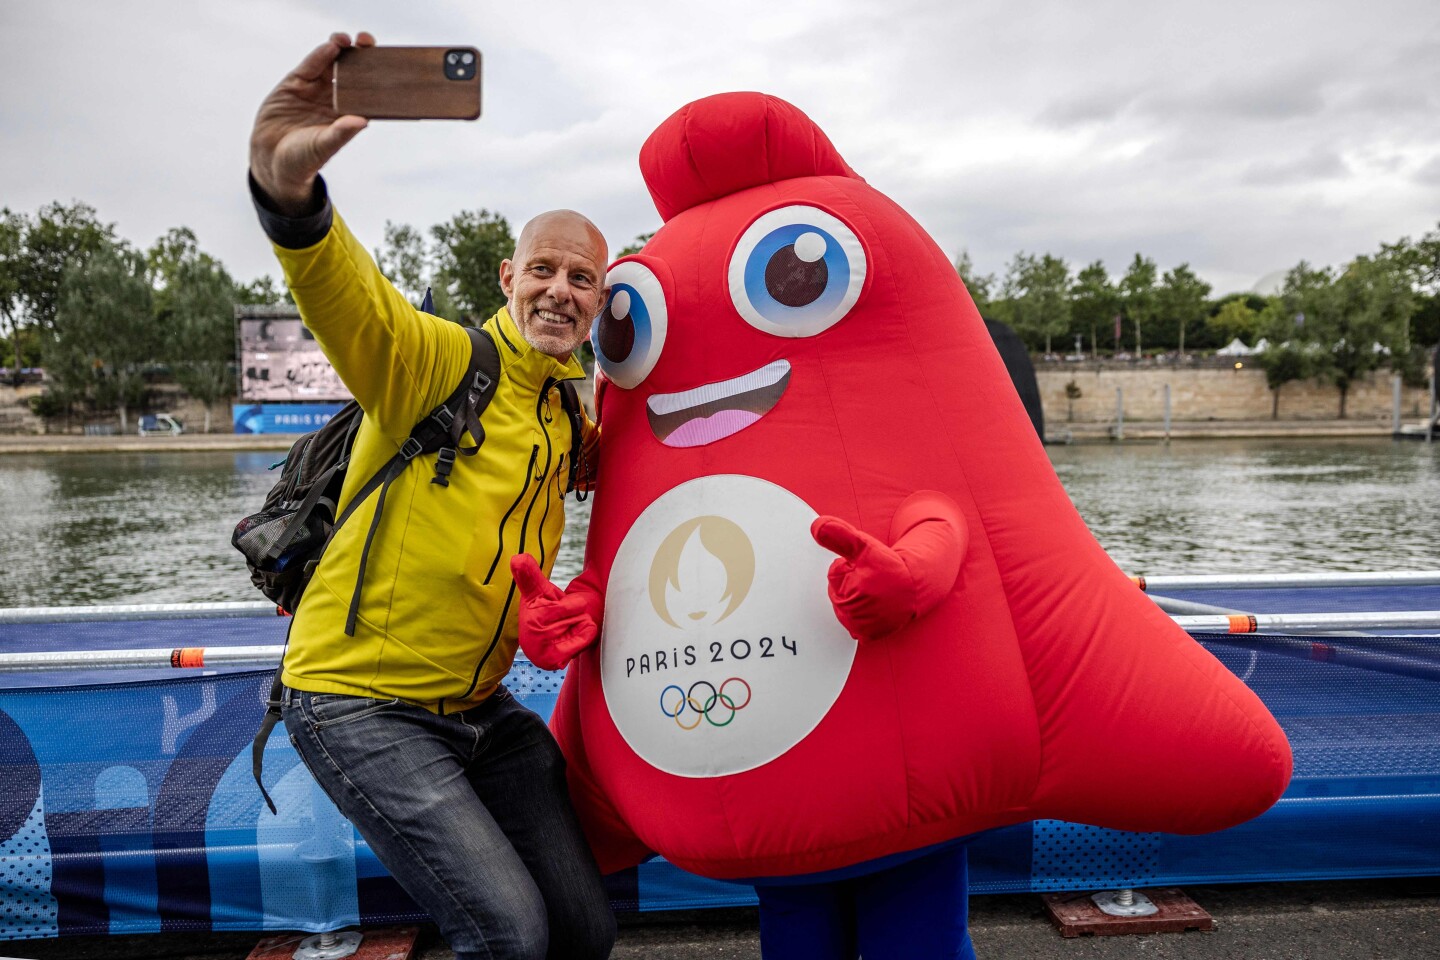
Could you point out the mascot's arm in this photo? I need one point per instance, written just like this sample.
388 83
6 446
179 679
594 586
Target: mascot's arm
877 589
611 840
555 624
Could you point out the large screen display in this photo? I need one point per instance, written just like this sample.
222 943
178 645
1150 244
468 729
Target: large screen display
280 362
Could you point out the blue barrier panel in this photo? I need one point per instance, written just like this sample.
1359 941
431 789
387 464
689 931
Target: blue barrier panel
129 807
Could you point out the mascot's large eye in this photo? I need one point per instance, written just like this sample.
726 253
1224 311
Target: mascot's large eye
796 271
630 332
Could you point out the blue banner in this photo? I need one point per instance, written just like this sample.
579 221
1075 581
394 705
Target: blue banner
129 807
283 417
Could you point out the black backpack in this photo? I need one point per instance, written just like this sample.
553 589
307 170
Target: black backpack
284 542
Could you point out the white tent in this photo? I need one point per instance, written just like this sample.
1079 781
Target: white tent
1235 348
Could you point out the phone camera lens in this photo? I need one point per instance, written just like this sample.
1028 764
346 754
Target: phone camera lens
468 58
452 58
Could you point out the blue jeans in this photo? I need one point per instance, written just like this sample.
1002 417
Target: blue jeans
470 814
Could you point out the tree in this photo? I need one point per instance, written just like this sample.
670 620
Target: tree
1181 298
12 265
1039 293
980 285
199 341
262 292
636 245
58 239
405 260
1282 364
467 255
1235 319
1093 300
1137 290
1372 321
104 329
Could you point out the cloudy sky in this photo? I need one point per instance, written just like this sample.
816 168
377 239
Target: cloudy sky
1240 137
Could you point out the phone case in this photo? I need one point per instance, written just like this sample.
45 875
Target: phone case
408 83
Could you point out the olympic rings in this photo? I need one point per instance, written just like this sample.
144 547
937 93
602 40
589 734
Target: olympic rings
704 707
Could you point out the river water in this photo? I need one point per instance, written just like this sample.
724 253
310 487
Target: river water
155 527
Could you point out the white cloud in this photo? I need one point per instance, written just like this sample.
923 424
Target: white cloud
1238 137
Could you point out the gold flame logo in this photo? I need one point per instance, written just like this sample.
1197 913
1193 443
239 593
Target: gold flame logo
704 569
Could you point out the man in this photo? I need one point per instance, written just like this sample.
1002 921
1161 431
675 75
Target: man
458 789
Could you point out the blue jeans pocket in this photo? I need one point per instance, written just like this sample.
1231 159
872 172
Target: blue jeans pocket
329 709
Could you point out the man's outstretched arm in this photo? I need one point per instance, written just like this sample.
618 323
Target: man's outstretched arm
297 130
397 362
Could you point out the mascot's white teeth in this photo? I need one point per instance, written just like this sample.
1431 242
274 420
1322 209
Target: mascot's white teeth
705 414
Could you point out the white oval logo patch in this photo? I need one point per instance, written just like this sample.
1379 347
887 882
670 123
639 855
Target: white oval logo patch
720 649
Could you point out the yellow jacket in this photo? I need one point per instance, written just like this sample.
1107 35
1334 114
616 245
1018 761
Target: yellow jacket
437 613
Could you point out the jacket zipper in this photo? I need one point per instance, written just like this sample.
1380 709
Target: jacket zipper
541 407
500 535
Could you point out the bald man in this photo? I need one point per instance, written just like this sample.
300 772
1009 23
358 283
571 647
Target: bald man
393 692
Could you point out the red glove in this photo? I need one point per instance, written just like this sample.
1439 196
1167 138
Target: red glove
876 589
554 625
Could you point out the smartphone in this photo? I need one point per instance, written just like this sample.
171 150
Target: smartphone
408 83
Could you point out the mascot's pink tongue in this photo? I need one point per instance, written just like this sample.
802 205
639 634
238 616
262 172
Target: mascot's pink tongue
717 426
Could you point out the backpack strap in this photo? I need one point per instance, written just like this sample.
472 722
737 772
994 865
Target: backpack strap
570 401
440 431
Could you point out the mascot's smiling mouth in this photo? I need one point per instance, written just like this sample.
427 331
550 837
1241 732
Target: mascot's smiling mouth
715 411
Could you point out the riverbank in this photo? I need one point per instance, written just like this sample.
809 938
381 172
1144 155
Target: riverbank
1056 432
75 443
1105 432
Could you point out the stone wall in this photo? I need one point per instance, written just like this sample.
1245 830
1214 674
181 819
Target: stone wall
1212 394
16 417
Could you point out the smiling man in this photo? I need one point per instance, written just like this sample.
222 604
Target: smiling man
393 676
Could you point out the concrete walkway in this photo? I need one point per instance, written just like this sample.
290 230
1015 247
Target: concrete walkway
75 443
1337 920
1057 431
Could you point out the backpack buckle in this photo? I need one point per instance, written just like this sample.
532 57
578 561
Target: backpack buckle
444 462
482 382
444 416
411 449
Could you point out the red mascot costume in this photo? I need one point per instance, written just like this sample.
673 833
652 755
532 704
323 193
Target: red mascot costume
849 613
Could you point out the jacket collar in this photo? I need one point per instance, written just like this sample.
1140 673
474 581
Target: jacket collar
521 362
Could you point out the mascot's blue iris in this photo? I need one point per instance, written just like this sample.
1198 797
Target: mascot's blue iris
624 328
796 273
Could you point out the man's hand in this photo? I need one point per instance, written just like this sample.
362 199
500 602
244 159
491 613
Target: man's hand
297 131
554 625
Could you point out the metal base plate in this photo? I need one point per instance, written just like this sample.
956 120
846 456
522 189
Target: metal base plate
1076 914
384 943
1111 902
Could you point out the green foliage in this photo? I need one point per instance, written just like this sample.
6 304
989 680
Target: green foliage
636 245
262 292
406 260
1094 302
1235 319
467 254
104 334
980 285
59 239
1181 299
13 227
199 340
1039 293
1138 296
